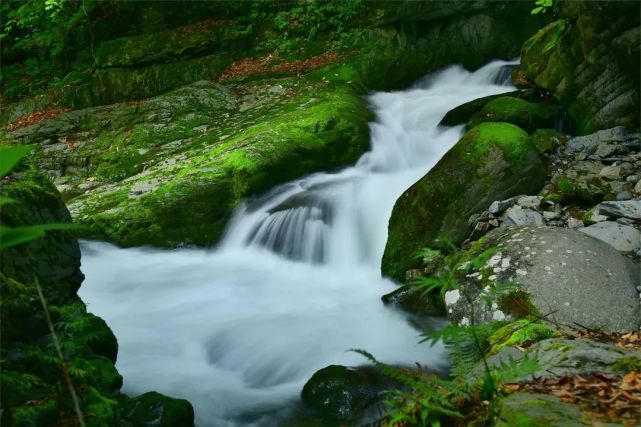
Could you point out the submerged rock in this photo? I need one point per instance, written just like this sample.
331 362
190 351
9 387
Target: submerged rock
155 409
492 161
560 273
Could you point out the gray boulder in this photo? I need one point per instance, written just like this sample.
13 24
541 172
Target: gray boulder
621 237
623 208
516 215
562 273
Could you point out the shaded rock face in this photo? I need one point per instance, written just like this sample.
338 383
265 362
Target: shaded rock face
491 159
560 273
589 60
343 394
34 391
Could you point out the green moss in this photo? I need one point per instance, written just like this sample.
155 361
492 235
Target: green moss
584 192
627 364
547 140
492 161
527 115
520 333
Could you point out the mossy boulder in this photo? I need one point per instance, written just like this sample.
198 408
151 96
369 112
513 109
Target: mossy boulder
343 394
493 161
527 115
34 390
589 61
155 409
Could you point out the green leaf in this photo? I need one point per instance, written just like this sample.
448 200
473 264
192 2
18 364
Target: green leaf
537 10
9 156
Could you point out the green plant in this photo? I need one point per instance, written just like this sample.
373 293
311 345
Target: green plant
542 6
11 236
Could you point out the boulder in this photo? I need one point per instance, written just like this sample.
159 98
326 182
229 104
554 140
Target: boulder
493 161
527 115
560 273
626 209
155 409
621 237
343 394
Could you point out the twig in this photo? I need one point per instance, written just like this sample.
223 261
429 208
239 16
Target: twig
56 343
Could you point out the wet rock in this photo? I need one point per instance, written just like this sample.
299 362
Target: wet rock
559 272
535 409
628 209
560 356
517 215
414 300
621 237
341 393
155 409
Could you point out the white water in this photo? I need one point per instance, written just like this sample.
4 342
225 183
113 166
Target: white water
295 283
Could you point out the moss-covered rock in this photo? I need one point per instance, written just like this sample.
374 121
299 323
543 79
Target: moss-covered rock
589 60
527 115
493 161
520 333
34 390
534 409
548 140
155 409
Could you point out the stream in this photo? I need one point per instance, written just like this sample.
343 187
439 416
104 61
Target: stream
294 284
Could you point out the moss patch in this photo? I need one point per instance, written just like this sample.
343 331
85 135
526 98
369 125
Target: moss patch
520 333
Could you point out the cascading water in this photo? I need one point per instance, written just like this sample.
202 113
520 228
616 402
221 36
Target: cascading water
295 282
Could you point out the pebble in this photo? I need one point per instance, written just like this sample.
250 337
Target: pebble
624 195
611 172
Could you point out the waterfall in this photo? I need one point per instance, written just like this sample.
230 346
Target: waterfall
295 281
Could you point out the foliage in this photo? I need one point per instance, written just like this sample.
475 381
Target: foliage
542 6
11 236
37 37
305 22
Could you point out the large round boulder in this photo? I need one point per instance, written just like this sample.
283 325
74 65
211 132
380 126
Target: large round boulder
562 274
492 161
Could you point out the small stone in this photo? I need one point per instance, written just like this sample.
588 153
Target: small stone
517 215
529 201
494 223
550 215
633 178
621 237
611 150
637 187
611 172
624 195
624 208
618 186
499 206
574 223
